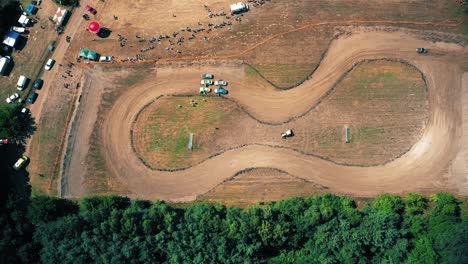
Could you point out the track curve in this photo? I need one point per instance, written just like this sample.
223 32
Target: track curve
419 169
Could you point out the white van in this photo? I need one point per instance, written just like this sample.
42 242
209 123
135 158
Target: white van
21 83
4 61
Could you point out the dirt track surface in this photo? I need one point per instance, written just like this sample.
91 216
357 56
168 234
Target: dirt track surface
421 169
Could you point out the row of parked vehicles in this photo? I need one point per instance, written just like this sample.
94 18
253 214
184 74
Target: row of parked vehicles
37 85
207 79
23 81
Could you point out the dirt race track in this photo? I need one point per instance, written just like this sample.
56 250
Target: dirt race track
438 161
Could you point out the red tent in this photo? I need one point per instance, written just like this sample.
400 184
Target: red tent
94 27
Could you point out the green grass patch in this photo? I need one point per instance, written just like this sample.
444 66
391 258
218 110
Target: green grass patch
384 103
325 4
366 134
385 85
162 131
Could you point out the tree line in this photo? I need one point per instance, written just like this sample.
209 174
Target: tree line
316 229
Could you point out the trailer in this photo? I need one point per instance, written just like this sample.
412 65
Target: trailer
238 8
4 61
24 20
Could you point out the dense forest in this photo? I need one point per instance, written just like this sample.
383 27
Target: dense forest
317 229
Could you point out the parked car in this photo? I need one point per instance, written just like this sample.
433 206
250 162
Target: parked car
204 90
221 83
24 110
21 83
12 98
105 58
207 76
50 63
51 46
91 10
6 141
206 82
32 98
38 84
20 163
18 29
421 50
221 90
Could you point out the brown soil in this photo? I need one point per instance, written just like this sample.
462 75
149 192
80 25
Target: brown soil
149 19
258 98
383 102
267 104
260 185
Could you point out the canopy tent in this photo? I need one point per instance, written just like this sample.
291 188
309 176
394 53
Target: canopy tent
59 16
88 54
10 38
31 9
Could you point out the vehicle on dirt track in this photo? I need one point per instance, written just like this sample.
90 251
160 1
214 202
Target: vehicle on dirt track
12 98
20 163
288 133
221 83
207 76
421 50
204 90
221 90
91 10
206 82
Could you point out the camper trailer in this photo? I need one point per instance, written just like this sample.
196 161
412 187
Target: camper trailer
238 8
4 61
24 20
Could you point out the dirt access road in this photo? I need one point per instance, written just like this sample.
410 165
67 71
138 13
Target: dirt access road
426 167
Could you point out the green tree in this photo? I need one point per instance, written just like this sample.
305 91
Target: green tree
423 252
46 209
415 204
389 203
98 208
67 2
15 125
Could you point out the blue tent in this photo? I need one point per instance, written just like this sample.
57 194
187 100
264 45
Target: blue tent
10 38
31 9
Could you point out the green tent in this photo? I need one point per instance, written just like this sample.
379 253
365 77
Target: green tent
89 54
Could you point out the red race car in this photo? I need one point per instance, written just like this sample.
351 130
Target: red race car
91 10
